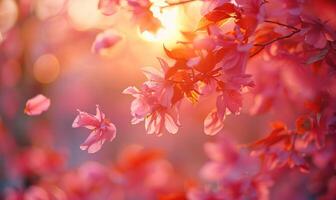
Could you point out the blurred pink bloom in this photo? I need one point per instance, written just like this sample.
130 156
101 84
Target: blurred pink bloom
232 172
204 194
102 129
108 7
36 192
13 194
146 174
105 40
36 161
228 163
37 105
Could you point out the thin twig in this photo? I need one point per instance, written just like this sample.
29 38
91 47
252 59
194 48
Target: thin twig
262 46
176 3
277 39
281 24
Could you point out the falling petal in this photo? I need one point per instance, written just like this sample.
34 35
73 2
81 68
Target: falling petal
37 105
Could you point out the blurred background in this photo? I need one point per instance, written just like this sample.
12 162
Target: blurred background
45 47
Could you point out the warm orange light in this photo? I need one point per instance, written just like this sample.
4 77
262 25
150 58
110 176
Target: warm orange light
46 68
171 20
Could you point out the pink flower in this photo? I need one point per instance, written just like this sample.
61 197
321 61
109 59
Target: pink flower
228 163
105 40
37 105
228 102
155 122
108 7
153 103
101 129
147 106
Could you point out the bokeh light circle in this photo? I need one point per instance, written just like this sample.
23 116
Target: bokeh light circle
46 68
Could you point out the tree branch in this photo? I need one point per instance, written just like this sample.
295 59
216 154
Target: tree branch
263 45
177 3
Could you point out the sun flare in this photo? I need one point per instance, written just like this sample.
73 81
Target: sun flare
171 21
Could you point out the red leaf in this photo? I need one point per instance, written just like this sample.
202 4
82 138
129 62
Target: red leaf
180 53
303 124
222 12
278 134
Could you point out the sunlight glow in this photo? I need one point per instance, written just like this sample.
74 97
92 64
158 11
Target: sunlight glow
171 20
84 14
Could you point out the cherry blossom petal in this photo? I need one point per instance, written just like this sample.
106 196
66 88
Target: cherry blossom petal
93 143
97 138
132 91
153 74
37 105
166 96
233 101
86 120
212 124
102 129
99 114
105 40
153 124
170 124
139 108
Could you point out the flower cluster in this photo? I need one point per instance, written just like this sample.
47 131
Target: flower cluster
138 174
